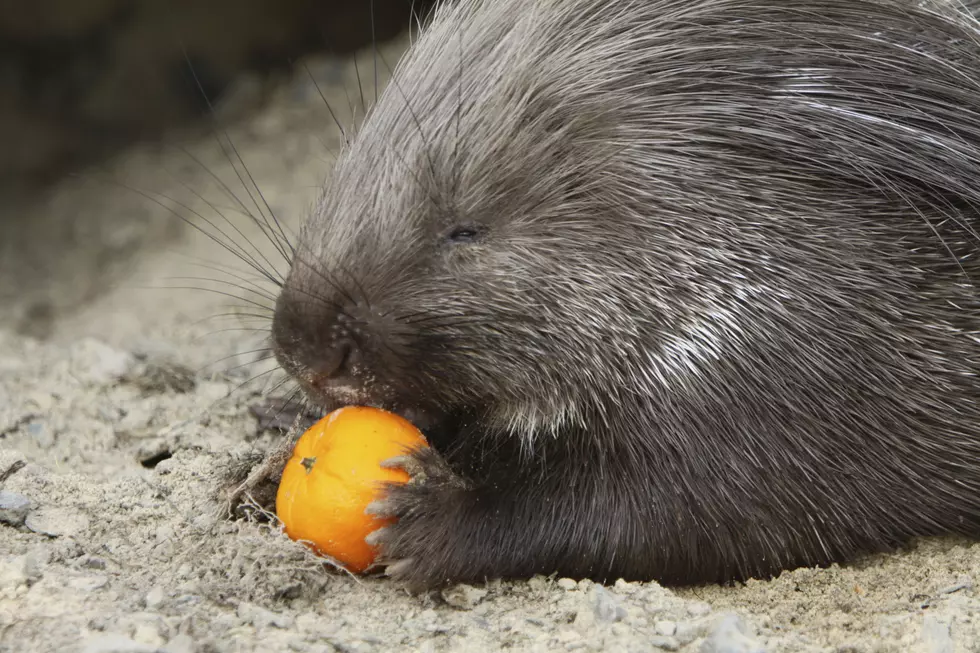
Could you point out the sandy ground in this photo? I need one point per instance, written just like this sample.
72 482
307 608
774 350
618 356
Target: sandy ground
129 418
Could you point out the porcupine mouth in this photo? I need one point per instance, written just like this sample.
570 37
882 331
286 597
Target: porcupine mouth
437 425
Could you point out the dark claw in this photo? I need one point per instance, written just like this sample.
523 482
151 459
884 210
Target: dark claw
376 537
380 508
400 568
408 463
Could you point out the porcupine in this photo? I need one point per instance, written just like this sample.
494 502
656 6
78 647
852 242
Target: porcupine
680 290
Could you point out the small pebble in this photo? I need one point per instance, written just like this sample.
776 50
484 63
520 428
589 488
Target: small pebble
164 533
464 597
116 644
666 628
585 620
538 583
935 635
95 362
88 583
13 508
664 643
13 573
607 606
308 622
688 631
147 634
154 598
35 561
162 376
698 608
260 617
92 562
730 635
567 584
56 521
180 644
41 434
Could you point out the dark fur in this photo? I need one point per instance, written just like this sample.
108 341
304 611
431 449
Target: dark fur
683 289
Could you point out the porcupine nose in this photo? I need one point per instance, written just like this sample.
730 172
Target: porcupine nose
319 340
335 363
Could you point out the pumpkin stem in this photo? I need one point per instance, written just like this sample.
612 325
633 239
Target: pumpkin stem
308 463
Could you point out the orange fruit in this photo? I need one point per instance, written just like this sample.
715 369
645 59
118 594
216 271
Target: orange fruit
334 473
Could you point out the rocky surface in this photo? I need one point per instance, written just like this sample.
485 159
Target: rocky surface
125 407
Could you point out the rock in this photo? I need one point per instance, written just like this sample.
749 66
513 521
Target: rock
88 583
698 608
584 620
41 433
666 628
731 635
56 521
159 376
13 573
95 362
538 583
116 644
688 631
935 635
607 606
567 584
154 598
664 643
13 508
180 644
92 562
147 634
261 618
464 597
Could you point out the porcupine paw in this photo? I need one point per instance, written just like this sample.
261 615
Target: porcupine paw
417 548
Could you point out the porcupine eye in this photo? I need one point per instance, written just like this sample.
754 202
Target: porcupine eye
469 233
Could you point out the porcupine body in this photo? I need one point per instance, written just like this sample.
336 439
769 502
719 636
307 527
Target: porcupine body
682 290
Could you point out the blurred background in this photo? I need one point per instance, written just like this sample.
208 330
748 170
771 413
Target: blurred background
111 108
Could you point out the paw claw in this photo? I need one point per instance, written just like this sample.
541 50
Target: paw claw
378 508
399 567
376 537
405 462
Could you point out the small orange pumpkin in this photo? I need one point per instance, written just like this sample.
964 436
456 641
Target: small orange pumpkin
335 472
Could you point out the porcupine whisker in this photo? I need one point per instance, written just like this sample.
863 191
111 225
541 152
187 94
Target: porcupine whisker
326 276
277 239
262 350
459 110
374 47
326 103
360 87
274 271
263 330
229 244
249 283
247 288
249 363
